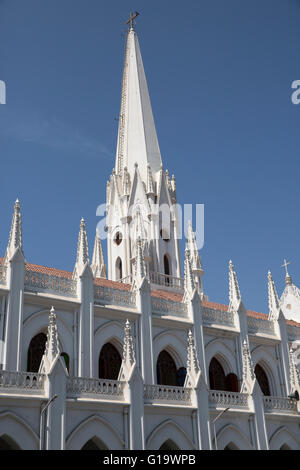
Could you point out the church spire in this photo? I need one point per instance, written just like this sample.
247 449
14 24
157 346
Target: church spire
98 265
15 235
137 138
273 298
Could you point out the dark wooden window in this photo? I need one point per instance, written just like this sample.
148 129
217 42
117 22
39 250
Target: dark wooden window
109 362
216 375
166 369
118 238
262 379
231 383
35 352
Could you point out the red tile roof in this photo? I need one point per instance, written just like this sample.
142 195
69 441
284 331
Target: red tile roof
175 297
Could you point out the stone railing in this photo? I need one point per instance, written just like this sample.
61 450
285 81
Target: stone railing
280 404
20 381
108 389
259 325
42 282
165 280
108 295
222 398
167 393
217 317
3 269
168 307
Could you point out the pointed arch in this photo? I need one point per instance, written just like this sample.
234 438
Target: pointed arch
93 426
231 435
166 370
167 265
94 444
171 342
109 362
112 332
8 443
24 437
169 445
283 438
262 356
223 353
118 268
169 430
262 380
35 352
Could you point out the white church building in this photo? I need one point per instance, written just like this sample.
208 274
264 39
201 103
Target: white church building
134 355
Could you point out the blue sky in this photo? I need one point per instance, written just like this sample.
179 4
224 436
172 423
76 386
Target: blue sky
219 74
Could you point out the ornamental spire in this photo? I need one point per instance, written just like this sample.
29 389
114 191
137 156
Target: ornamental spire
192 246
52 347
150 183
82 257
137 138
248 368
193 366
234 290
128 347
294 373
15 235
98 265
189 284
288 279
273 298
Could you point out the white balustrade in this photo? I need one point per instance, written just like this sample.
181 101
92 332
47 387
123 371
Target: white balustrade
21 381
167 393
213 316
166 280
280 404
168 307
259 325
104 295
225 399
42 282
81 386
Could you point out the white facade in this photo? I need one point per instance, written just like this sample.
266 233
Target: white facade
157 321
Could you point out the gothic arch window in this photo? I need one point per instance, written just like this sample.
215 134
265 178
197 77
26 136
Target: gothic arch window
35 352
109 362
67 360
7 443
262 379
169 445
216 375
94 444
119 272
166 369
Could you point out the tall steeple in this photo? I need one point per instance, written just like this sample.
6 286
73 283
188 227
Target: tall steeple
137 138
82 257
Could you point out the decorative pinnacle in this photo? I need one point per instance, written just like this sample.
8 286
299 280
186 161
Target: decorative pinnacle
192 245
98 265
189 284
128 348
82 246
234 290
150 184
273 298
15 235
52 347
294 372
192 358
248 368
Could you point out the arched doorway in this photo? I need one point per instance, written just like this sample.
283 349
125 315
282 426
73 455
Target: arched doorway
169 445
7 443
262 379
109 362
119 272
94 444
166 369
231 446
216 375
35 352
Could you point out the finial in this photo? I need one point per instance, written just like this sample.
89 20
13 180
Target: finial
234 290
288 279
272 298
131 20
